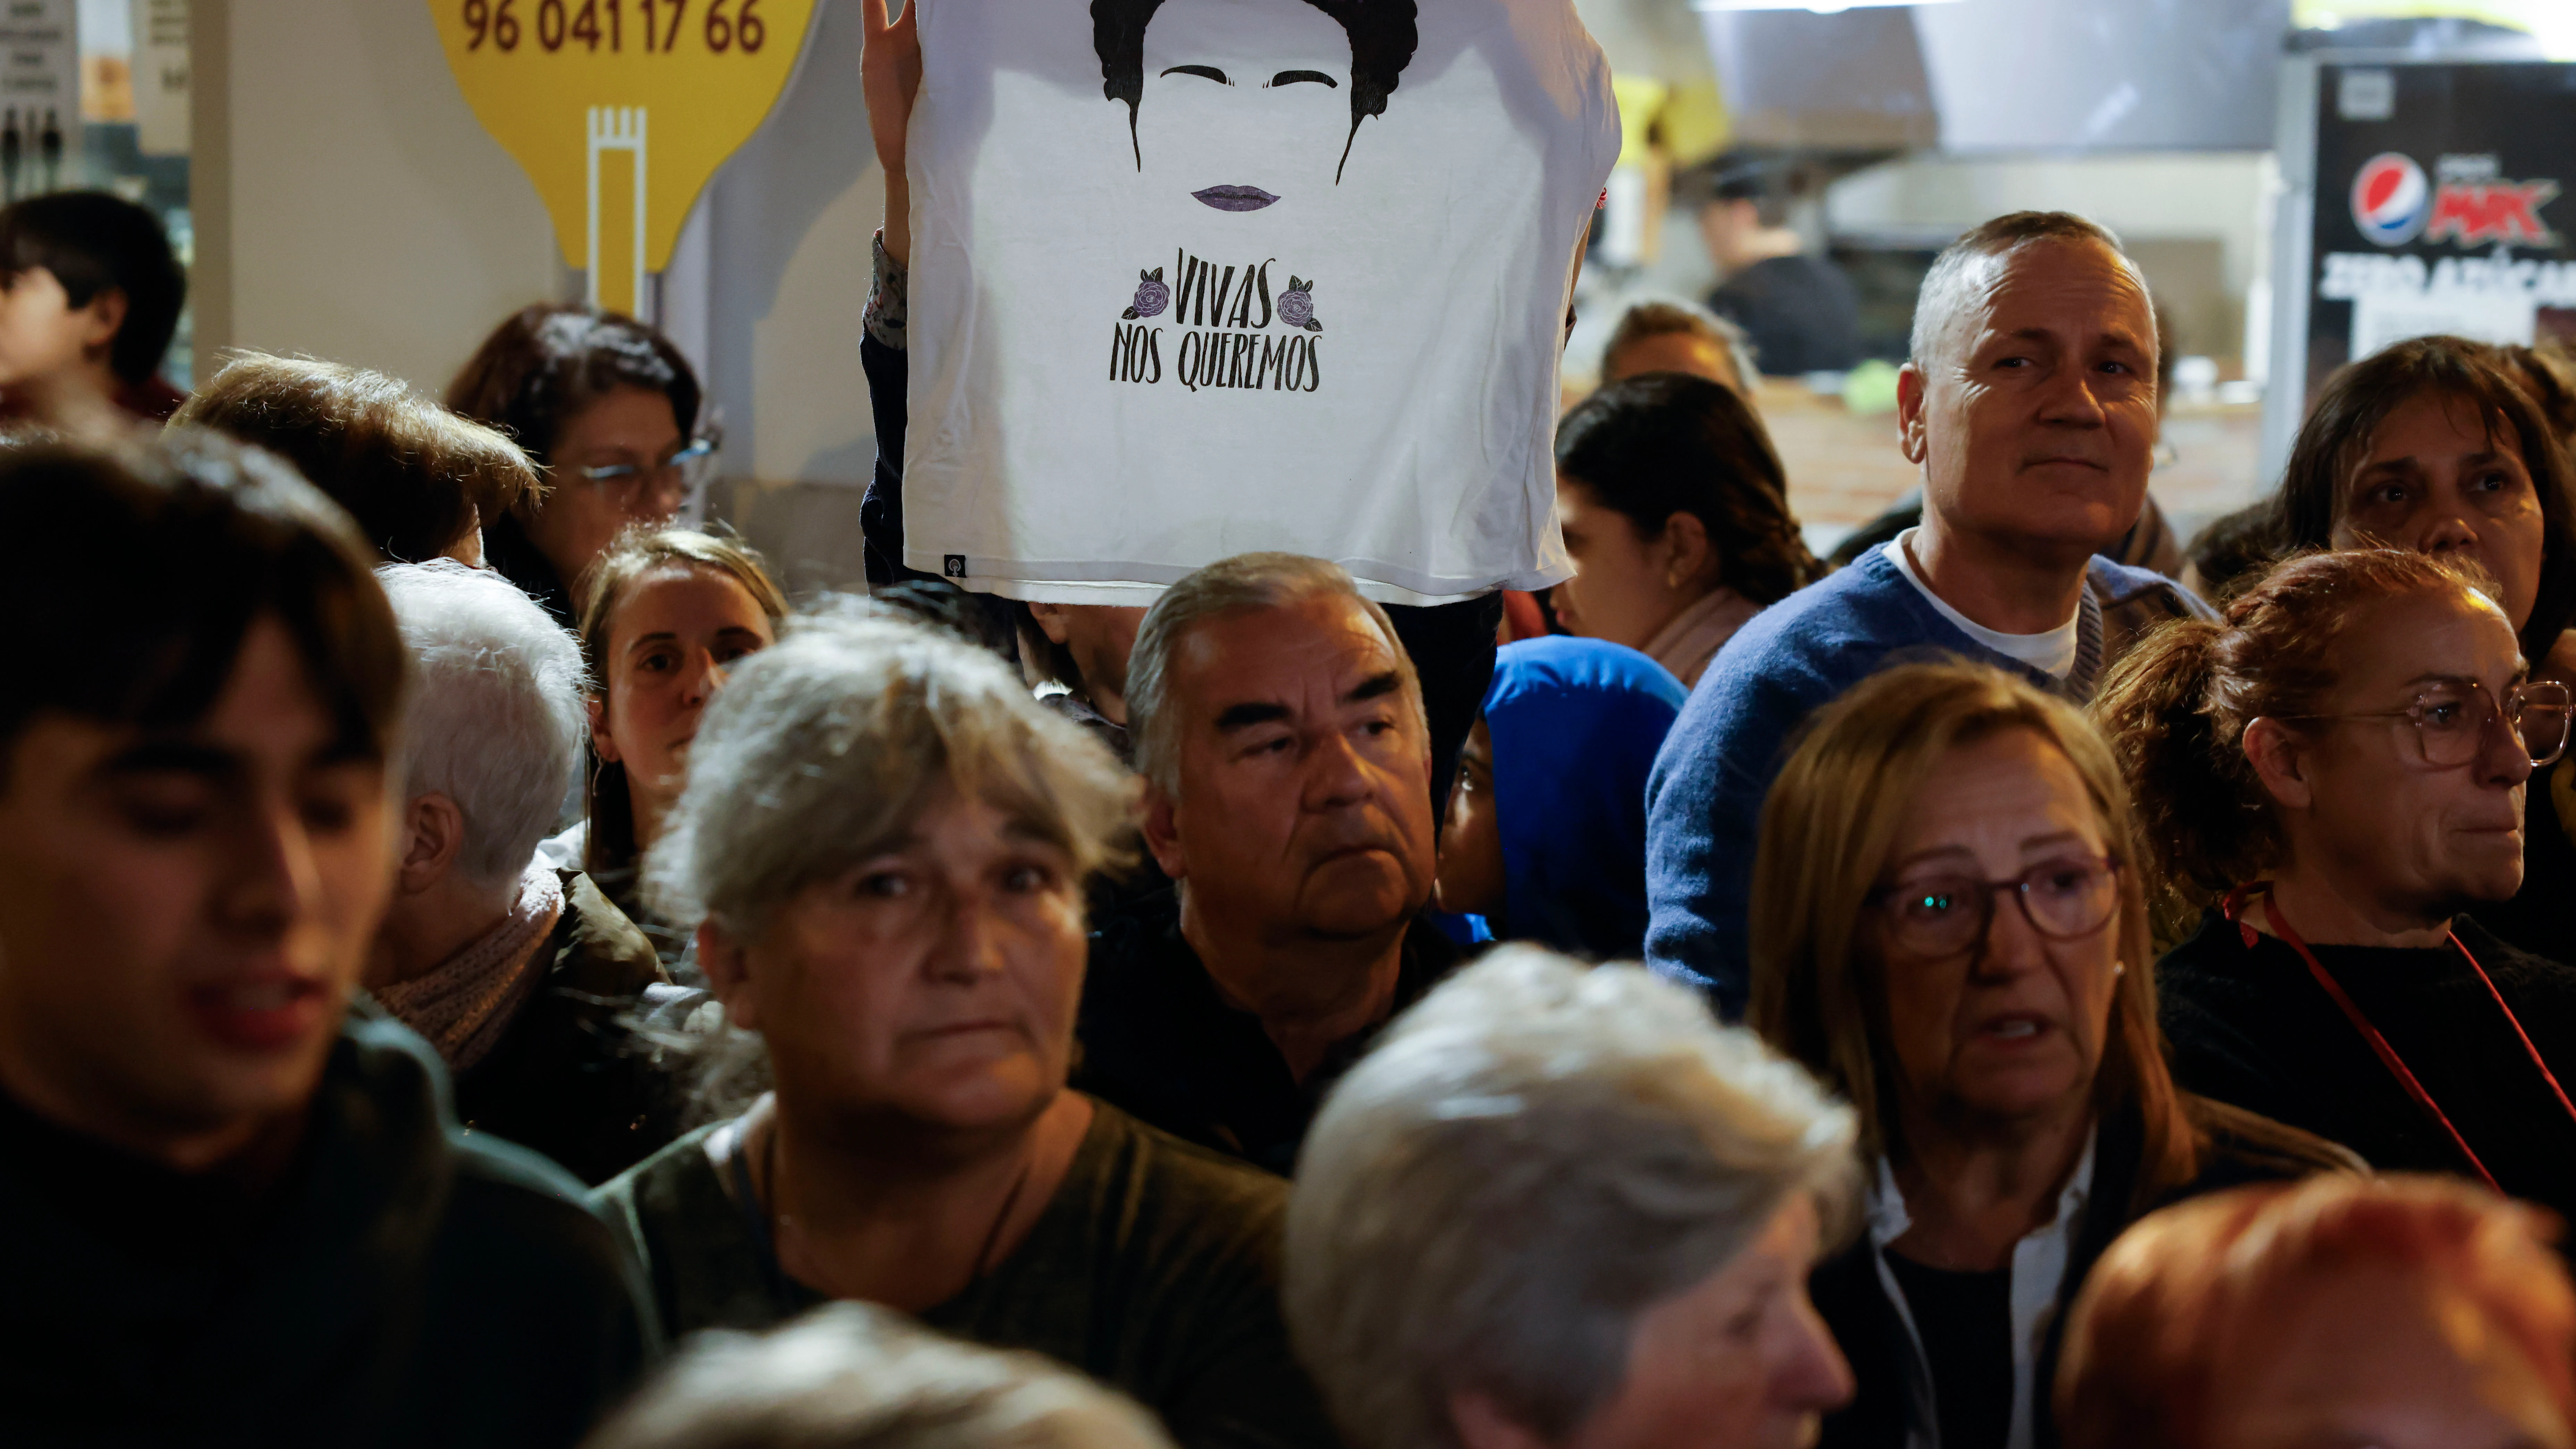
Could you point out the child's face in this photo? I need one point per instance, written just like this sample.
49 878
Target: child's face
43 335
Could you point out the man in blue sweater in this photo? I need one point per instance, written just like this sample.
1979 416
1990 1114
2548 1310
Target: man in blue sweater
2030 404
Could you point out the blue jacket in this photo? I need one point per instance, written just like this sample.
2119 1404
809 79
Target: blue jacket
1704 799
1575 725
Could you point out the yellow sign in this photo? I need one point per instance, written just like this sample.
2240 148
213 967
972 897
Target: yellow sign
621 109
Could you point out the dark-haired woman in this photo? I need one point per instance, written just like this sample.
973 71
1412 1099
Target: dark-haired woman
2437 445
610 406
1676 514
2332 771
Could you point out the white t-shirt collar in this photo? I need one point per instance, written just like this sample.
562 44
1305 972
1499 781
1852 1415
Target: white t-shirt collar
2052 653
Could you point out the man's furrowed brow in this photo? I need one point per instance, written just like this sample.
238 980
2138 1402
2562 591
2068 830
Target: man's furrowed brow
1244 716
1376 686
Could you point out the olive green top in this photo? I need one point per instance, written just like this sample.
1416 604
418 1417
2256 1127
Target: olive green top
1155 1269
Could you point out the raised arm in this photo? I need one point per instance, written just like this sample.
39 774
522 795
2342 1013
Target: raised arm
890 77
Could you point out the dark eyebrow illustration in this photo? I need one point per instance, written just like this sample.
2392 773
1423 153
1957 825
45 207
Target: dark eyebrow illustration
1382 35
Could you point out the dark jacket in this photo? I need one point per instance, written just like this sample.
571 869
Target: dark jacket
404 1285
567 1079
1155 1038
1848 1294
2250 1025
509 552
1800 312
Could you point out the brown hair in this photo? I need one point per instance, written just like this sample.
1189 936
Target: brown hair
148 563
2177 705
2191 1289
1664 443
2548 375
610 808
1651 319
2359 398
416 477
1828 830
548 362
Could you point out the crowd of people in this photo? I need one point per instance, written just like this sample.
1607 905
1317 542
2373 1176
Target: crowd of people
478 964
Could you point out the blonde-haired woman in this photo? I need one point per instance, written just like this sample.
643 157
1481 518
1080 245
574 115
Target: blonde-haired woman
2016 1111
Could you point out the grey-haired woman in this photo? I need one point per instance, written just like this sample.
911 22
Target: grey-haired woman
885 838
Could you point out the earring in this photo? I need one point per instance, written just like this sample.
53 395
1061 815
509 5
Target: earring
2119 969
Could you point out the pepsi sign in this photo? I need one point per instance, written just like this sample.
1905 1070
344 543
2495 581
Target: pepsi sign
2471 206
2391 201
2446 225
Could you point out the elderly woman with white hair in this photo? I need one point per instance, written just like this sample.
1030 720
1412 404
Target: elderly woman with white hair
885 839
1560 1208
516 971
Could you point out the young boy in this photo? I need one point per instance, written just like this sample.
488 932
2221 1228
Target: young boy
237 1210
89 296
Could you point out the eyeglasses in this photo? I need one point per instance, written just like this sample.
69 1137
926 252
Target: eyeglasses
2450 719
689 468
2065 899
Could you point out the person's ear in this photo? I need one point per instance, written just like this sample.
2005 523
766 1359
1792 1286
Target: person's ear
1162 829
602 743
1689 557
1480 1423
1910 386
105 316
2280 759
727 964
1053 620
433 836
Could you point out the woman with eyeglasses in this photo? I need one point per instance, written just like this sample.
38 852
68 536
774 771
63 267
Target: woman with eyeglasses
1949 930
610 407
2442 445
2334 773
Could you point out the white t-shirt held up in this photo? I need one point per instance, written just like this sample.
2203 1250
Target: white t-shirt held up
1193 278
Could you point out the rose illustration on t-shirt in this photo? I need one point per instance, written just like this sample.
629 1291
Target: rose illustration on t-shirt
1151 295
1253 101
1297 305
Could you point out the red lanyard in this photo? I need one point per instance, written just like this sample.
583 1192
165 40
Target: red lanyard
2388 1057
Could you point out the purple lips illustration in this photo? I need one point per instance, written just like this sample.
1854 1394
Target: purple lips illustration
1151 295
1297 304
1235 198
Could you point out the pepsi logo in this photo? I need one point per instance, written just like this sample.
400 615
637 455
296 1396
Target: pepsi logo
2391 199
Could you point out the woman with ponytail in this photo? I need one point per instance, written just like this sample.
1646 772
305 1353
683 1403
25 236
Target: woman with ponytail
2441 445
2332 774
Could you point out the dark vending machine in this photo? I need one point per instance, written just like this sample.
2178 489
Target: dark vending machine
2421 198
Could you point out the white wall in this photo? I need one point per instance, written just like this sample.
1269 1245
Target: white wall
351 207
368 217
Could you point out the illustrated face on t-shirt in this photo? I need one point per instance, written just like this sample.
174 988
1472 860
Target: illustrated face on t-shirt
1246 105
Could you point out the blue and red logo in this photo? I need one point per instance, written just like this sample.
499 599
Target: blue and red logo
2391 199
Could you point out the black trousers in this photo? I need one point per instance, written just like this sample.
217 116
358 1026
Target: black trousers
1453 650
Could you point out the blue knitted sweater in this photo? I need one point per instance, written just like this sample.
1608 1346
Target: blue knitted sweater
1704 798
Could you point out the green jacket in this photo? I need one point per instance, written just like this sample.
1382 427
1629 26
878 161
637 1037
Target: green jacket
1155 1269
402 1286
567 1079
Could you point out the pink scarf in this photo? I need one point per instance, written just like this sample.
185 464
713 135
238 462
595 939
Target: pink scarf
1693 637
467 1001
